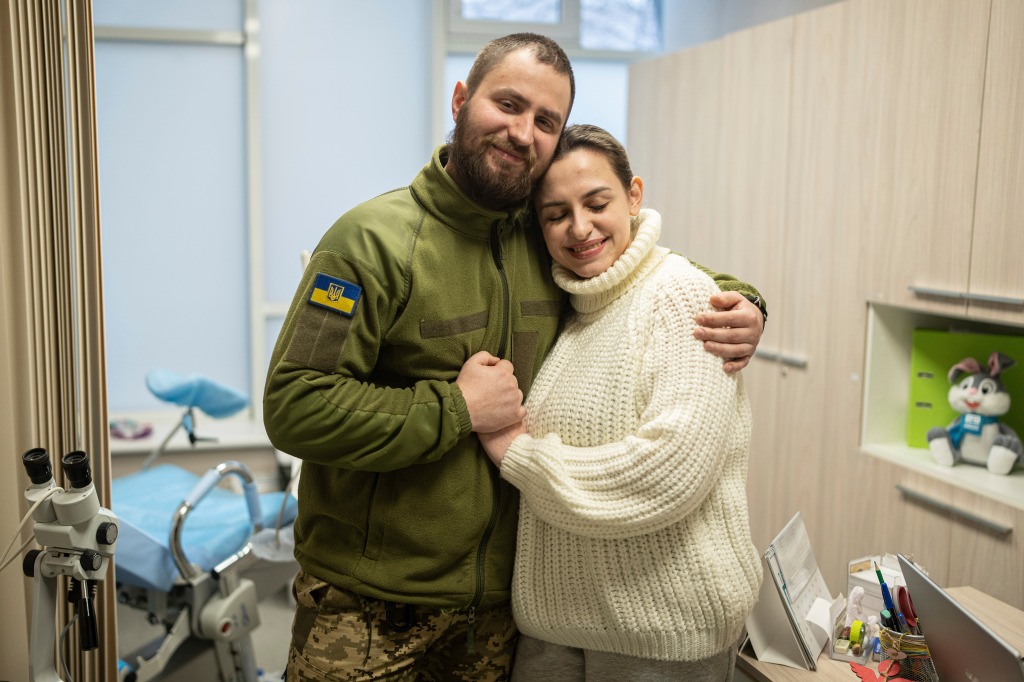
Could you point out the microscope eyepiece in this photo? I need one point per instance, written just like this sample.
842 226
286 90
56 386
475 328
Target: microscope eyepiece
37 465
76 468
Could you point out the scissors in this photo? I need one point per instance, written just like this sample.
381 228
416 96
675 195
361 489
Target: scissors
906 607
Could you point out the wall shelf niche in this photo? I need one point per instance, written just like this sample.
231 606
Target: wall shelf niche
889 339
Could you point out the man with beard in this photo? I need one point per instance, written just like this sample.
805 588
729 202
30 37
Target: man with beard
421 320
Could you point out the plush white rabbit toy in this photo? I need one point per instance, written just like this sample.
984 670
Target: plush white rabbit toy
977 436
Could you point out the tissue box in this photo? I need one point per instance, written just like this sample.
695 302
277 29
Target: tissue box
862 574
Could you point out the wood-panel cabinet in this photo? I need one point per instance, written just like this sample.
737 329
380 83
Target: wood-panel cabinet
675 104
997 246
989 556
820 307
898 520
926 67
749 221
962 538
849 143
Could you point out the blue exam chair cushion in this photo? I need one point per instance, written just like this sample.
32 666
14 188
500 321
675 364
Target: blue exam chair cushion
212 397
215 529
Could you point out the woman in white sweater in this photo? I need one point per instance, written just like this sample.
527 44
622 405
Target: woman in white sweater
634 556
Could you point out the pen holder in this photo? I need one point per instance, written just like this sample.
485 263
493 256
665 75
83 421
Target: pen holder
917 663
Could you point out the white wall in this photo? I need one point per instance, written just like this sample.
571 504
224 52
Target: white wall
345 101
345 91
171 144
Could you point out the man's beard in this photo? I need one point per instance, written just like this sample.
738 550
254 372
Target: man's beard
507 185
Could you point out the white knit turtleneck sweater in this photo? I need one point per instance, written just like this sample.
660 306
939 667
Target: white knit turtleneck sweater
633 527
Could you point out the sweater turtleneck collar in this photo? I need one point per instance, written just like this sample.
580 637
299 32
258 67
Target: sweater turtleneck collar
640 257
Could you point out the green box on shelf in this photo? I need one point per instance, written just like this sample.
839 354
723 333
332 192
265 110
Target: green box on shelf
934 352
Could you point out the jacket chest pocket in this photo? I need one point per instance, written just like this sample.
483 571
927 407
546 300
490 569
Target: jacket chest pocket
533 335
447 342
455 326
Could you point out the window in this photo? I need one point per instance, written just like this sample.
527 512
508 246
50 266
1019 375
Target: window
542 11
600 36
618 27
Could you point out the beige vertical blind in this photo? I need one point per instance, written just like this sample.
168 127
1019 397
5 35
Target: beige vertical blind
52 372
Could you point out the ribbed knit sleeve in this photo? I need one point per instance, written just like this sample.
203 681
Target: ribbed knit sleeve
591 479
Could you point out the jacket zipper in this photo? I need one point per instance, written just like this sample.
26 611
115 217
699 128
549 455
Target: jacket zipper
505 299
481 553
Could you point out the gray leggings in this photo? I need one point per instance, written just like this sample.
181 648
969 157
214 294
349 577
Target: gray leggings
540 661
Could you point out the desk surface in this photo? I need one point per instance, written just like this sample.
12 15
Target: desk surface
1005 620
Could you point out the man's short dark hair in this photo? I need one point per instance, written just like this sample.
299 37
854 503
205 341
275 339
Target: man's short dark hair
544 49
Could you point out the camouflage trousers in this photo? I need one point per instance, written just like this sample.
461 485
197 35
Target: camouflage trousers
339 635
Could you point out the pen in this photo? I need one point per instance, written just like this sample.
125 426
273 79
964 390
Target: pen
886 597
889 621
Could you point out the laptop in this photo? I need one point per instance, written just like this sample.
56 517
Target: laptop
961 646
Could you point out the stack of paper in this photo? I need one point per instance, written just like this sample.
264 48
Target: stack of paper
791 622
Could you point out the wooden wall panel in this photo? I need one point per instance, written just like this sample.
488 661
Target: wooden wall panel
997 249
926 62
748 228
832 159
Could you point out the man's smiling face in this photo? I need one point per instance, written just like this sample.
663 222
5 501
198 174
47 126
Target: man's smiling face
507 131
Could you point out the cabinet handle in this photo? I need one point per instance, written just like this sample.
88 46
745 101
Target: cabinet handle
774 355
992 526
965 296
793 360
988 298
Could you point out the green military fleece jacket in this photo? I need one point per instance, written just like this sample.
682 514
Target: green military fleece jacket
397 500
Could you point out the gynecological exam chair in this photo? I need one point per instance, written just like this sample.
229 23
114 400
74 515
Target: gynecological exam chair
195 556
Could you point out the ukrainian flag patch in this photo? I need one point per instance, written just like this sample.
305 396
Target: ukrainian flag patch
335 294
